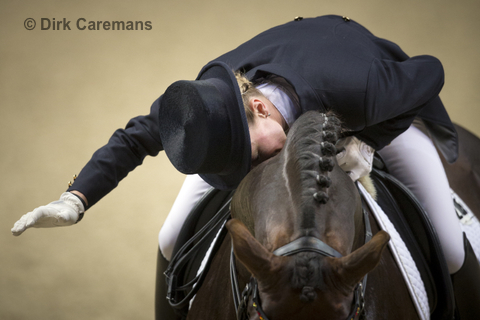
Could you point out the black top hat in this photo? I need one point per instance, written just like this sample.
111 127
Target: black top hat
204 129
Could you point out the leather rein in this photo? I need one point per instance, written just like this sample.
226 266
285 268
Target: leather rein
303 244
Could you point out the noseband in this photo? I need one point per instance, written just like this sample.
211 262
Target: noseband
303 244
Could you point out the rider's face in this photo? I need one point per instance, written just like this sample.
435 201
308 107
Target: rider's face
266 135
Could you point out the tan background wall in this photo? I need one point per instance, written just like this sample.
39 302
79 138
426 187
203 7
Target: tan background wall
63 93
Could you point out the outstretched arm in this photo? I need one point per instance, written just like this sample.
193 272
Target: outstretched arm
125 150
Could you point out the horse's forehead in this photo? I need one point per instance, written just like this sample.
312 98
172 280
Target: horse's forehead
272 198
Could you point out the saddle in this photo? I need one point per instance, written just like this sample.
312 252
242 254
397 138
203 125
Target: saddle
188 267
416 230
201 235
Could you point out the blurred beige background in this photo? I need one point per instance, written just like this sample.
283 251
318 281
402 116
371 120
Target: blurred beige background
63 93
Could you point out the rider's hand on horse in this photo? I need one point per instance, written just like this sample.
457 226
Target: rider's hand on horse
63 212
356 159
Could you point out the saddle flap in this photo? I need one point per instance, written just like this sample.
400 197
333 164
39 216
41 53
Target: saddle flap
419 235
187 269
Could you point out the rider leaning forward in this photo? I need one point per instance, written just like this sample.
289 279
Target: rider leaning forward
219 126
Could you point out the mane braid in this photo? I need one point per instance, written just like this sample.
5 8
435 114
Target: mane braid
312 149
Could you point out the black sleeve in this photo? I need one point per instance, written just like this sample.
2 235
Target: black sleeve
125 150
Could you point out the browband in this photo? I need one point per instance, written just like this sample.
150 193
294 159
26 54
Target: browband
307 244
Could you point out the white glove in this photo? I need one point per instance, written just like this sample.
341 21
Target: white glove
356 159
63 212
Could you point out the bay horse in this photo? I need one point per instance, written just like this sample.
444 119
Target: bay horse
303 194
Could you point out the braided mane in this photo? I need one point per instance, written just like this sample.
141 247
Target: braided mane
310 159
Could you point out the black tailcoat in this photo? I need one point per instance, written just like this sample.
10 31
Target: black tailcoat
333 63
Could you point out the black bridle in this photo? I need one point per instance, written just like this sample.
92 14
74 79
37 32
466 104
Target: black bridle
303 244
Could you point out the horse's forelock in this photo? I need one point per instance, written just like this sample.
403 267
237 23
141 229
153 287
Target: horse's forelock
307 275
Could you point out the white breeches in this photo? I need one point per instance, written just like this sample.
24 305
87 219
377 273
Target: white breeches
192 190
411 158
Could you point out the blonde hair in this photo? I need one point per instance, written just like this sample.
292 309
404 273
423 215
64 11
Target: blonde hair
248 90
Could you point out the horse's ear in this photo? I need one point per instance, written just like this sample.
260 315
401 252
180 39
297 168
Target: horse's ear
254 256
352 268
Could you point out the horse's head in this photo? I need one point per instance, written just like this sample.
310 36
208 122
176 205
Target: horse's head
303 194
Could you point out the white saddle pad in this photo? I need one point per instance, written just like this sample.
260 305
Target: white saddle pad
403 258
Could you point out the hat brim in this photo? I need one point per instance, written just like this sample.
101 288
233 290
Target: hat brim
240 131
